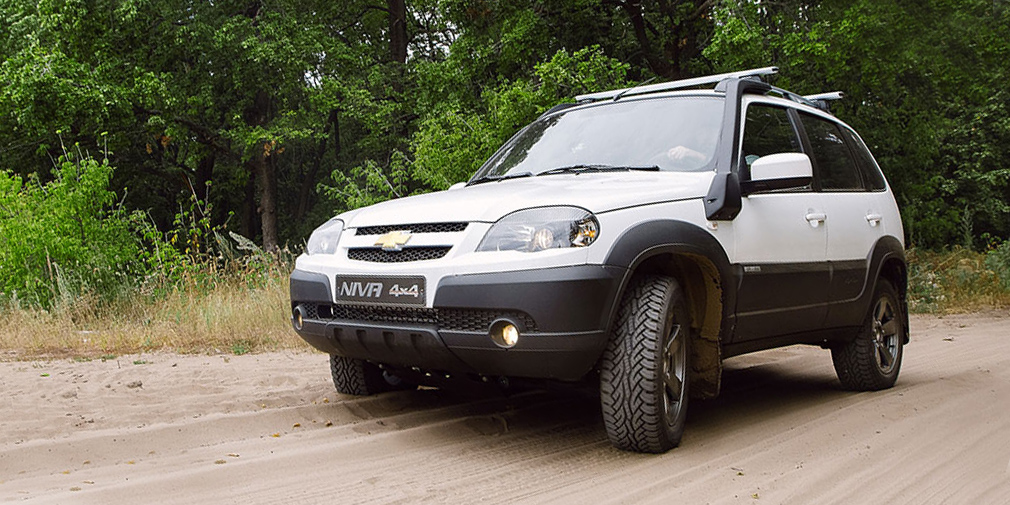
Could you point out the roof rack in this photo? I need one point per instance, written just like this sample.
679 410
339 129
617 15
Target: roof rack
819 101
681 84
833 95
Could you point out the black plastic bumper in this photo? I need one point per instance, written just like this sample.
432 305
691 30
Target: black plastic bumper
568 309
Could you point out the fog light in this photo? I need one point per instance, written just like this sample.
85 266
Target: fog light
298 317
505 333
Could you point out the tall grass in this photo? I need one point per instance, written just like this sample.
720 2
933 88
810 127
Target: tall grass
230 310
959 280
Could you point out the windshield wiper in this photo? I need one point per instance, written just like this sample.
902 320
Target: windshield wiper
577 169
495 178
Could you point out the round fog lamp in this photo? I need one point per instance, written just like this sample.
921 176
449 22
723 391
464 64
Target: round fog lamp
504 333
298 317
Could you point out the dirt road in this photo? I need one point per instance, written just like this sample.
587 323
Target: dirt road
269 429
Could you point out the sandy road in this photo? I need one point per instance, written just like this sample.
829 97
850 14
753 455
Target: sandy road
269 429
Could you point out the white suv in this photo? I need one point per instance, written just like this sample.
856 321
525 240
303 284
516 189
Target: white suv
637 237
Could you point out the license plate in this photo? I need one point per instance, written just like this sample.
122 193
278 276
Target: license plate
380 290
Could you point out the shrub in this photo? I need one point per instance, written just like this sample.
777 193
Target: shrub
67 237
998 260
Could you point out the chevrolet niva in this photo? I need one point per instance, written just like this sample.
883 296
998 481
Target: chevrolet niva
637 237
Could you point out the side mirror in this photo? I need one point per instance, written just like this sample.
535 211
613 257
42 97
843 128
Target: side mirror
457 185
778 171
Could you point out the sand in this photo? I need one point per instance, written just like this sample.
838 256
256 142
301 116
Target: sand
269 428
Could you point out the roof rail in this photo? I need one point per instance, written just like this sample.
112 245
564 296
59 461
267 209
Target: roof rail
818 101
833 95
681 84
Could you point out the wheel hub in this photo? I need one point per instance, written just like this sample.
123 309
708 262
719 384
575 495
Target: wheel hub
674 371
886 338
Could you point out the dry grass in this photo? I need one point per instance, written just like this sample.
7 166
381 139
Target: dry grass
226 316
955 281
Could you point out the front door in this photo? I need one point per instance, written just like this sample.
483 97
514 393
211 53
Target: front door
781 241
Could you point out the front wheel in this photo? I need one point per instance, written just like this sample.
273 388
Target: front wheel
361 378
644 371
871 361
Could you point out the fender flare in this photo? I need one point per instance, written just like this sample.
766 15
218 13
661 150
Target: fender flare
886 249
652 238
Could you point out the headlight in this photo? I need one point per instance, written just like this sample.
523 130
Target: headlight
533 230
324 239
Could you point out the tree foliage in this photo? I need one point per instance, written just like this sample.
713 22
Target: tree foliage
266 117
68 236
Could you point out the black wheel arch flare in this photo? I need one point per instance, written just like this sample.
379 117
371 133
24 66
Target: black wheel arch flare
639 245
667 236
887 260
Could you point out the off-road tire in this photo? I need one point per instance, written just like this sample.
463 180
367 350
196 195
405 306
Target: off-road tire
638 412
357 377
872 360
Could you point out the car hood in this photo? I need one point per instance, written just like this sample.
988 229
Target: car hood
490 201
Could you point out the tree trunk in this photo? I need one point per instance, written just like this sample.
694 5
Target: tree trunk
266 173
248 228
204 175
655 61
397 30
309 182
259 114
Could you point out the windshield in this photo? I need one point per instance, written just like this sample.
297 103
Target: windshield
674 134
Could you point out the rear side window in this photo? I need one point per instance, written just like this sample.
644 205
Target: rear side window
767 130
864 160
836 169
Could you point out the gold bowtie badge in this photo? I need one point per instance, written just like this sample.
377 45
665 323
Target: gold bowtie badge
393 241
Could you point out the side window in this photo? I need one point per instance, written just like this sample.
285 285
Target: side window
767 130
867 166
834 164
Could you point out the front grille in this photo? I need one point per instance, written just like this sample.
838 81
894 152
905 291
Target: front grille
311 311
412 228
377 255
476 320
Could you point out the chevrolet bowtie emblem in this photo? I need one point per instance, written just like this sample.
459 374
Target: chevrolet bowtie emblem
393 241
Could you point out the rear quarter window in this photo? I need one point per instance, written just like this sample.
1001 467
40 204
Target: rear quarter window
835 167
864 161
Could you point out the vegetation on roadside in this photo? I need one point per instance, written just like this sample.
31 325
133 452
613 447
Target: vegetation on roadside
80 276
959 280
242 310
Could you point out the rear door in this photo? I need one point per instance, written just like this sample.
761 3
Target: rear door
855 205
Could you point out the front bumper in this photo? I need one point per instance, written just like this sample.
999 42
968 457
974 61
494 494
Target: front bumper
564 313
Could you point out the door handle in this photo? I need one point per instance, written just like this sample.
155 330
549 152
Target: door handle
815 218
873 219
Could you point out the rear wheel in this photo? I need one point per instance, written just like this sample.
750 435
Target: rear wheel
644 372
361 378
872 360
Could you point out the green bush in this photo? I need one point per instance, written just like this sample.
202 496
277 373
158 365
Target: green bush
67 237
998 260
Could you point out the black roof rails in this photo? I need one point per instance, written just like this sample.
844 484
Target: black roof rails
672 85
